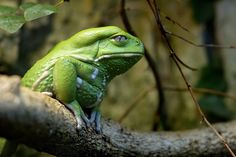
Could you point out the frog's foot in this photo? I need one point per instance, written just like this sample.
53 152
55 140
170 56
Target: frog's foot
81 119
95 119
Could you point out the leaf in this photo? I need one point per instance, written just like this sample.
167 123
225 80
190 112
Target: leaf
38 11
6 10
27 5
11 23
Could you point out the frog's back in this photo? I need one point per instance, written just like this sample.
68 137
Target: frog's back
39 76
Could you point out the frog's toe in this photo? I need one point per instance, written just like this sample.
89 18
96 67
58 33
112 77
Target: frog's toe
95 118
81 118
92 117
98 123
82 121
79 123
85 119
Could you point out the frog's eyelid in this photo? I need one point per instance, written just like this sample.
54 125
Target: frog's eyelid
120 38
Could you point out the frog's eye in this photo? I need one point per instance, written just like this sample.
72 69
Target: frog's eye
119 40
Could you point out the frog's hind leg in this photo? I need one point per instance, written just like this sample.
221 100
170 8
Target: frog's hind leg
79 114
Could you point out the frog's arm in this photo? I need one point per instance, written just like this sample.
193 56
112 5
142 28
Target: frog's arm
64 82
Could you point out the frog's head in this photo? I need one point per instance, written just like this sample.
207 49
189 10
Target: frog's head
109 47
119 51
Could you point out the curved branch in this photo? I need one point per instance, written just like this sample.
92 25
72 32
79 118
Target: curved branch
43 123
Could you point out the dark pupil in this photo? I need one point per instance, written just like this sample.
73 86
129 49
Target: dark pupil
120 38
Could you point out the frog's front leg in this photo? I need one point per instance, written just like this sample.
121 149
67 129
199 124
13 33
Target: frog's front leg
64 86
95 119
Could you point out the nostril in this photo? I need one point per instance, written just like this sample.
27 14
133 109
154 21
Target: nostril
137 42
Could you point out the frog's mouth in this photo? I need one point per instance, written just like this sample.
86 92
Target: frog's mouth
125 55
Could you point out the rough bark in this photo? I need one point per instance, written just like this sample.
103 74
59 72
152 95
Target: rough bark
45 124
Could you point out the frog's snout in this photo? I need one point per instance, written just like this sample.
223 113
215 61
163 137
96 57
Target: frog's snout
139 43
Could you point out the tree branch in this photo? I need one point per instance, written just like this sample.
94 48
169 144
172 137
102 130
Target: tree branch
45 124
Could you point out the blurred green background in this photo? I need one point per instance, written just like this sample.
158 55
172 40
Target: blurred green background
207 22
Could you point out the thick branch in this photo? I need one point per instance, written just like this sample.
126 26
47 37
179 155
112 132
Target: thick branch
45 124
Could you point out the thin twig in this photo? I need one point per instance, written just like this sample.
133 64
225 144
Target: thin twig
135 103
166 38
188 41
200 45
202 91
169 88
155 10
184 64
174 22
61 2
161 104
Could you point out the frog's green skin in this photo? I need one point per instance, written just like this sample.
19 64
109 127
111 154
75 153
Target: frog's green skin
77 71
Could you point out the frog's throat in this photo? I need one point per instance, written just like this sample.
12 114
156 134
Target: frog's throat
117 56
